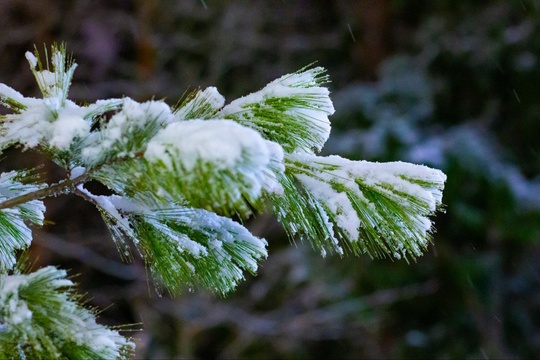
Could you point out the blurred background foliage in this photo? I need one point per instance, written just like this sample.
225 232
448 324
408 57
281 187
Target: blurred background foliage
454 85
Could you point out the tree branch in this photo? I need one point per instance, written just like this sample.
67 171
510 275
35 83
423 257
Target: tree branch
63 187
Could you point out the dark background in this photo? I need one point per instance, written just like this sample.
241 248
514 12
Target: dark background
451 84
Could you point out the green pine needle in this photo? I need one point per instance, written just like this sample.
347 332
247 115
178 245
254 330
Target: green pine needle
194 247
55 79
126 133
302 215
200 105
223 191
376 208
14 232
183 246
180 245
41 318
291 111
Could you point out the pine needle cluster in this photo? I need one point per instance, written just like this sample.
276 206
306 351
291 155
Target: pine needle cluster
178 175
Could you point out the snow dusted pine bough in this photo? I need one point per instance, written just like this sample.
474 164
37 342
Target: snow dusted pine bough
178 175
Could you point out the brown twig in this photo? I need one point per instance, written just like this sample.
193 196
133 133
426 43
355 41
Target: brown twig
63 187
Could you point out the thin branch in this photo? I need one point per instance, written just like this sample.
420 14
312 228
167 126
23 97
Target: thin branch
63 187
86 196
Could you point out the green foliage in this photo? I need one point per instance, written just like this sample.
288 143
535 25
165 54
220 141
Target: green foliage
206 250
292 110
126 133
14 233
200 105
176 177
385 205
40 318
54 77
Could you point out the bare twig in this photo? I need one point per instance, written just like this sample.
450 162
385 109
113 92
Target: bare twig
63 187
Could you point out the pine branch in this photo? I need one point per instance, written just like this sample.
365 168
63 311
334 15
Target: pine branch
192 163
174 174
291 111
376 208
41 318
14 232
181 246
63 187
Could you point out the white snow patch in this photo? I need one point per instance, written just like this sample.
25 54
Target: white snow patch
105 203
127 205
66 128
222 143
46 121
399 176
14 309
76 172
220 231
8 93
32 60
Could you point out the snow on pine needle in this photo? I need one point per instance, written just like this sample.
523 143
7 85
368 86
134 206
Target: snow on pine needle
292 110
176 177
14 232
375 208
183 246
218 165
200 104
197 247
126 133
41 318
54 121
